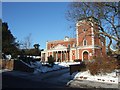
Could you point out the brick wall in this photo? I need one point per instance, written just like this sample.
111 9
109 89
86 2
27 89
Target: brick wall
84 34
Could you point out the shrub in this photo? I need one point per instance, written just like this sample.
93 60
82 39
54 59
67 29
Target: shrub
51 60
102 65
83 66
118 64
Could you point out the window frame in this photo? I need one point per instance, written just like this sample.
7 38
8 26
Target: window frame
84 42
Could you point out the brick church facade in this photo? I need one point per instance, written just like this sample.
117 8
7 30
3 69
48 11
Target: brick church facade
85 46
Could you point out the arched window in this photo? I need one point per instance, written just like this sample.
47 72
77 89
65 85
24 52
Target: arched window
84 42
84 30
51 46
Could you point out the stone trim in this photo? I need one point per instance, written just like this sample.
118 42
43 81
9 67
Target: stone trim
89 47
93 43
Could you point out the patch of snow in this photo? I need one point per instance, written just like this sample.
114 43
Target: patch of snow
40 68
27 64
43 69
66 64
108 78
4 70
36 64
8 57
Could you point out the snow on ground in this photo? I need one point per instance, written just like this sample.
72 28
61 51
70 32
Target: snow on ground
57 66
108 78
4 70
66 64
41 68
27 64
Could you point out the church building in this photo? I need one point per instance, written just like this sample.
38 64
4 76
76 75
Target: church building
87 44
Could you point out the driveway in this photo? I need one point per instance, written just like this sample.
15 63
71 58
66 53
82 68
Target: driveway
17 79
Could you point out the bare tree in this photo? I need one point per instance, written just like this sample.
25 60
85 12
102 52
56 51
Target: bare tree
107 15
27 42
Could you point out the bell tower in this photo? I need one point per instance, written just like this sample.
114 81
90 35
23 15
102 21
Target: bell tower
85 33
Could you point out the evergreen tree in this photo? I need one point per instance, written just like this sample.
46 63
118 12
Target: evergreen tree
9 45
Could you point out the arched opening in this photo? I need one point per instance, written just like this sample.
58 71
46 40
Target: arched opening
85 55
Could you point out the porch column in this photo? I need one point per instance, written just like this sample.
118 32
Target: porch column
56 56
52 53
46 56
61 56
68 56
65 55
41 56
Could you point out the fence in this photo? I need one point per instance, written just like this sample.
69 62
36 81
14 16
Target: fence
77 67
15 65
7 64
74 68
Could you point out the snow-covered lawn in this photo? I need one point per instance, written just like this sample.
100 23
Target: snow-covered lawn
85 75
108 78
41 68
57 66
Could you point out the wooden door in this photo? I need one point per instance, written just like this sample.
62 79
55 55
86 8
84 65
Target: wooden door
85 55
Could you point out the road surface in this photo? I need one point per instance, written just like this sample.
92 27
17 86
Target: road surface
16 79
